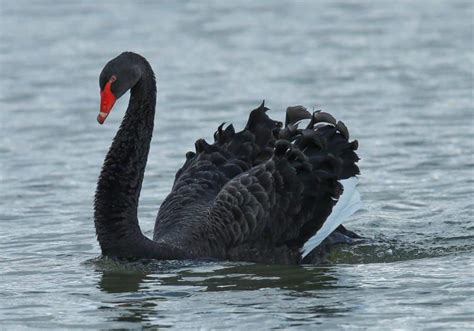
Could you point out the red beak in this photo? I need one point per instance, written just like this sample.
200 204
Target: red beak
107 101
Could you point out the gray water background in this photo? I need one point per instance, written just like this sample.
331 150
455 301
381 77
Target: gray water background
398 73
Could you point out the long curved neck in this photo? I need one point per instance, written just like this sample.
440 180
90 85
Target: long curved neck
120 182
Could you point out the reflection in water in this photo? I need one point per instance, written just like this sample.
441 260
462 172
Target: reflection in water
139 288
121 282
131 306
121 277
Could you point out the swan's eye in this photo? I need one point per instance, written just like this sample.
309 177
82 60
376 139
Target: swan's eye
113 79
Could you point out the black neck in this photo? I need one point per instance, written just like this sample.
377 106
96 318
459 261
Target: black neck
120 182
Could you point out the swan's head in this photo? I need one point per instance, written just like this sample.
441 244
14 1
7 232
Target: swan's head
118 76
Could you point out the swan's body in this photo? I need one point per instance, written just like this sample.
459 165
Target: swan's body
256 195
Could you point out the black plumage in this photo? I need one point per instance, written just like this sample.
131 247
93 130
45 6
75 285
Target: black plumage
254 195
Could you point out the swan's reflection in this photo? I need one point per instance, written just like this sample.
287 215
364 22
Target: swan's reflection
137 288
122 277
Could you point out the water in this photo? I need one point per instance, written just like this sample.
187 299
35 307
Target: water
400 74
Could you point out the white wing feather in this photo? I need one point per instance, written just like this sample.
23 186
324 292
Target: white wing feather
349 202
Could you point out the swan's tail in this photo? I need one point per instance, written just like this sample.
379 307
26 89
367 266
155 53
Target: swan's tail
349 202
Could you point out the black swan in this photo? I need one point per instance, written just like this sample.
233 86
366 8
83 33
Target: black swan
264 194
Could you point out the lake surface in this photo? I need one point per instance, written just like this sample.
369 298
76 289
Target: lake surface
399 74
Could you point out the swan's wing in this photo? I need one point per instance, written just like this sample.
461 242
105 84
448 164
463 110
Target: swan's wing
275 207
261 193
271 210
